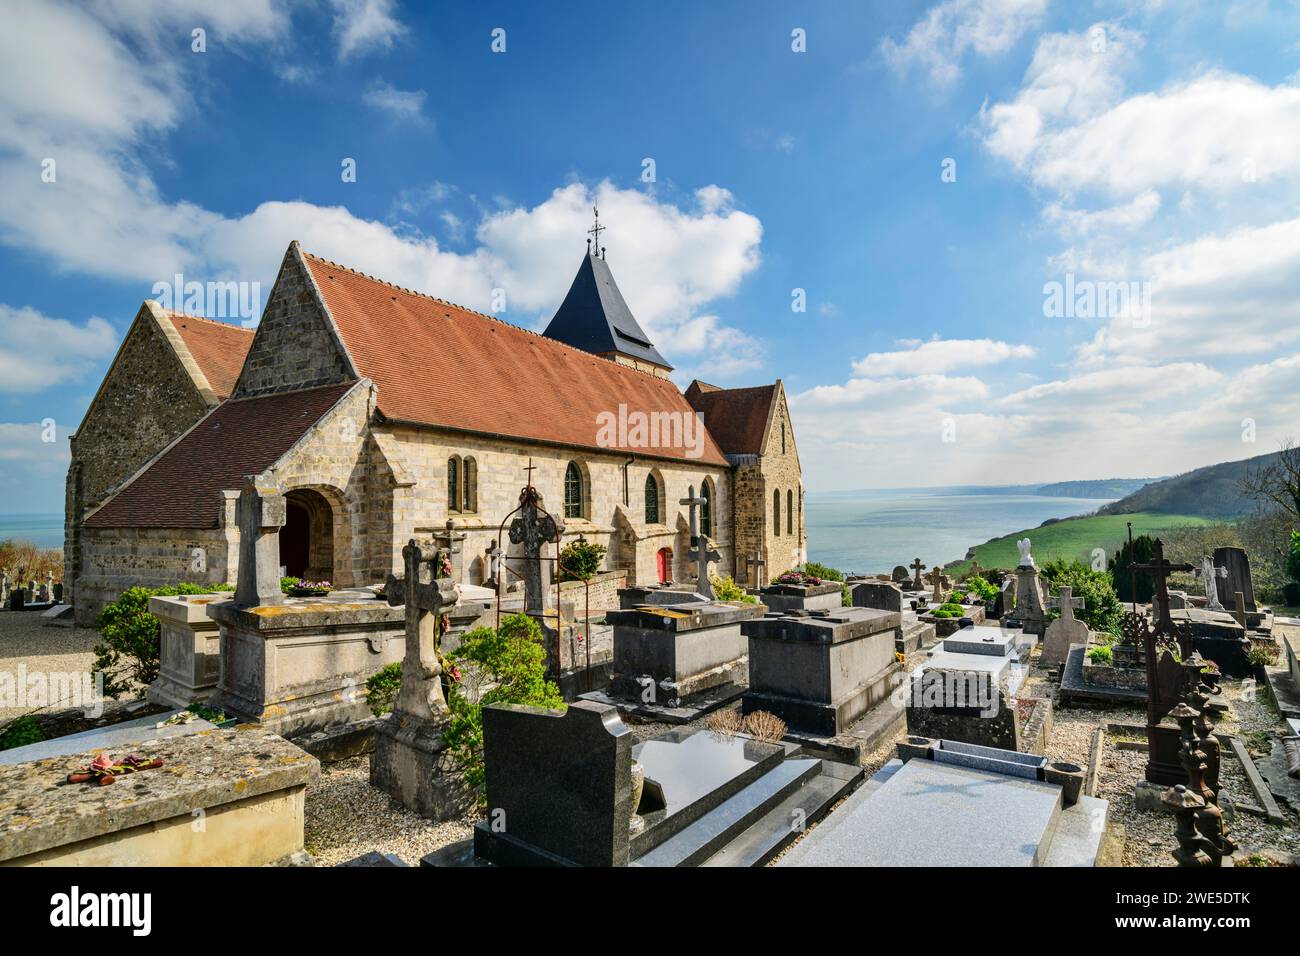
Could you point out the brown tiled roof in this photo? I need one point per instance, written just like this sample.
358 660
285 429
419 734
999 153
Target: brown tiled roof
219 348
736 417
181 489
439 364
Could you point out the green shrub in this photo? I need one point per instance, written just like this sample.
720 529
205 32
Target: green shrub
581 559
127 654
1101 655
1260 655
509 668
815 570
980 586
1293 557
288 584
725 588
948 610
20 732
1143 551
1101 609
382 687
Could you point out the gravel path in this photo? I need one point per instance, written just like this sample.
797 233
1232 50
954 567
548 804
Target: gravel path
25 638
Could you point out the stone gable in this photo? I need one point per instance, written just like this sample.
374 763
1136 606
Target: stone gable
296 346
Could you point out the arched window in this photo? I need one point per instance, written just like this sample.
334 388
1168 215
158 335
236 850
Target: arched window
706 509
776 513
453 483
572 491
651 500
469 483
789 512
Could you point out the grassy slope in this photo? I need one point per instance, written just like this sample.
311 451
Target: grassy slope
1076 537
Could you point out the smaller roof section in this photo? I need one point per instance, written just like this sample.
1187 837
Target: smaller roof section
595 318
736 417
181 487
218 348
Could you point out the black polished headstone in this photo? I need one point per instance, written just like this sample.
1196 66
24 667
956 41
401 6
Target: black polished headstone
559 786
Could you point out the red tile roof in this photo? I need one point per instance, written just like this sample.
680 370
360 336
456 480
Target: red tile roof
219 348
439 364
181 489
736 417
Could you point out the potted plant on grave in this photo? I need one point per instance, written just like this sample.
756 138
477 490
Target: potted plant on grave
300 588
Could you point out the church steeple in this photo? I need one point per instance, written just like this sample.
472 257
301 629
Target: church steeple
595 318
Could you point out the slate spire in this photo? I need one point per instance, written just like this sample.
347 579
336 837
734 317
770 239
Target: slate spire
595 318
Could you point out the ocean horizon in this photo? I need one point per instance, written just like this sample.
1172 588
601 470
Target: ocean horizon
867 531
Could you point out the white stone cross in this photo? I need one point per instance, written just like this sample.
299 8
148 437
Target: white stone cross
1207 574
703 552
1066 603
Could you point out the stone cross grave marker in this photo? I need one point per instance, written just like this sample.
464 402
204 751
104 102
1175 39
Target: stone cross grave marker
1065 631
262 512
426 596
701 551
755 565
493 575
534 528
917 568
1160 569
975 570
1066 602
935 577
1208 572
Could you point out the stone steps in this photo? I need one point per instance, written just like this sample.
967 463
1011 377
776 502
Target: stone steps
781 825
703 838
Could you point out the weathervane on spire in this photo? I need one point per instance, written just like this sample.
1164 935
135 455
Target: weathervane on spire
595 231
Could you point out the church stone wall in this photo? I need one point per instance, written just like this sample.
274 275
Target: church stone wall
776 469
423 508
295 346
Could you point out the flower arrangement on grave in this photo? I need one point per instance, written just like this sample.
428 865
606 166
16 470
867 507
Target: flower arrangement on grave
798 577
103 770
311 589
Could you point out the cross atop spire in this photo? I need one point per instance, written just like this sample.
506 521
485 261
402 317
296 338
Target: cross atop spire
595 232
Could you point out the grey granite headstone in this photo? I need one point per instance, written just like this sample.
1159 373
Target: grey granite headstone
881 595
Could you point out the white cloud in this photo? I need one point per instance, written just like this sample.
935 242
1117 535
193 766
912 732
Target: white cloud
939 356
364 25
939 41
1115 386
43 352
1080 222
404 105
104 215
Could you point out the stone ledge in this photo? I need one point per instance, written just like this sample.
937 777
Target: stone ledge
202 771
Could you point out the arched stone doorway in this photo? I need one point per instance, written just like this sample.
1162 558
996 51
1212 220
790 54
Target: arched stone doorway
307 538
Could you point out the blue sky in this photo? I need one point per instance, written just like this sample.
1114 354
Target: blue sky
1153 144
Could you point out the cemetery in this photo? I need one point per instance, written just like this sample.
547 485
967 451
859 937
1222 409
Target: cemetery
722 732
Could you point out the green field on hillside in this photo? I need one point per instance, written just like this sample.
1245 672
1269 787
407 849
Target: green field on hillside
1075 538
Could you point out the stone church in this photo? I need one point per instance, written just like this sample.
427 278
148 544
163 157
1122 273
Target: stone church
385 414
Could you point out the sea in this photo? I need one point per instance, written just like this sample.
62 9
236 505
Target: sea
867 531
872 531
43 530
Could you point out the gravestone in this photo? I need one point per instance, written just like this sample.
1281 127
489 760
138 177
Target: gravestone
1029 593
1237 579
4 588
559 786
754 565
937 581
826 596
493 575
262 512
917 568
535 528
900 575
881 595
1210 575
821 672
410 755
702 552
1065 631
